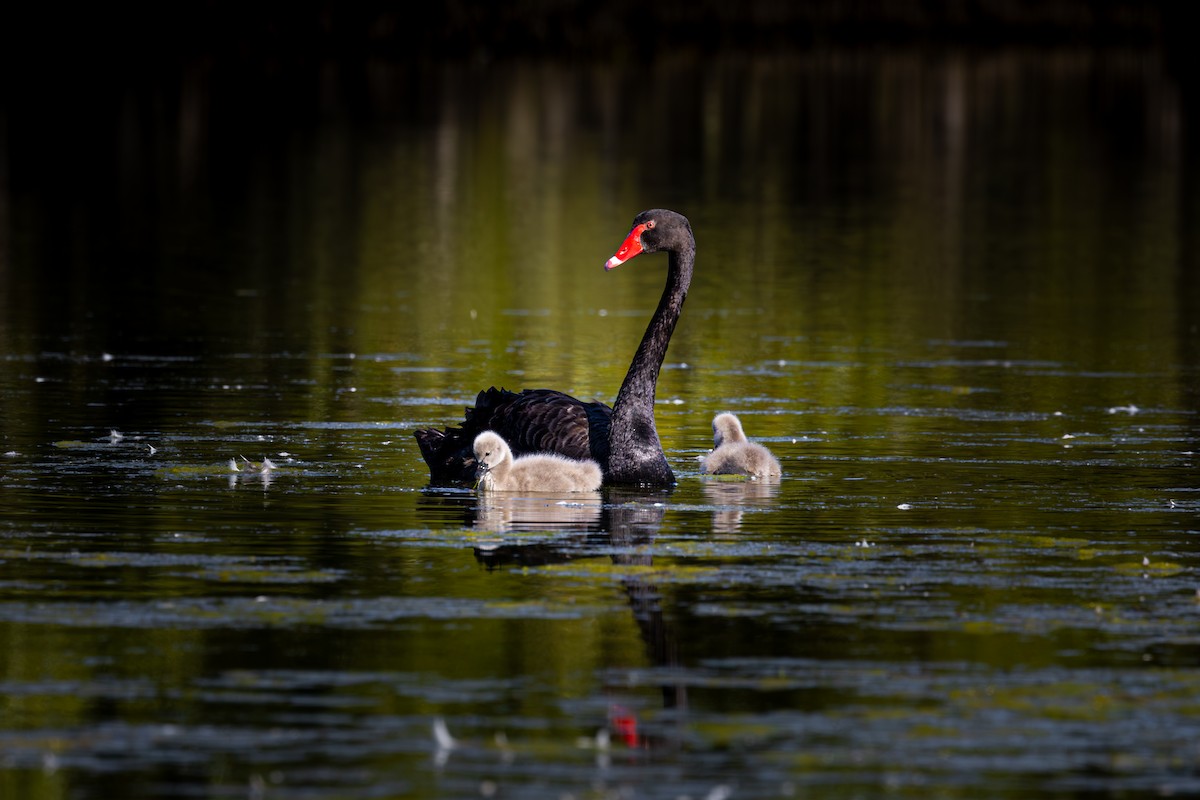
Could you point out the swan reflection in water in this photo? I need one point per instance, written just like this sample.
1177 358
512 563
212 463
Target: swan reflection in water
506 513
621 526
732 497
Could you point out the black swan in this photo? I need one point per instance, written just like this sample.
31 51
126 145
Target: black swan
498 471
622 439
735 455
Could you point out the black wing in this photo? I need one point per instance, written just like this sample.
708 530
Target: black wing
532 421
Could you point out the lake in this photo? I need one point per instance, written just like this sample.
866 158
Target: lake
956 294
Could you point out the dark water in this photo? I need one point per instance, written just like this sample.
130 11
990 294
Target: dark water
956 296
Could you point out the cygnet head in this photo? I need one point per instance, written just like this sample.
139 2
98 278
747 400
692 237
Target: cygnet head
727 428
491 451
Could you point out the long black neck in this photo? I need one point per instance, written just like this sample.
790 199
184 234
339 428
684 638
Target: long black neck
635 452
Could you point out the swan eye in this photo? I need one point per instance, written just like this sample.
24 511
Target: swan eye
649 224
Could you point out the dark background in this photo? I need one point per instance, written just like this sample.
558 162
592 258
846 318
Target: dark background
82 45
68 71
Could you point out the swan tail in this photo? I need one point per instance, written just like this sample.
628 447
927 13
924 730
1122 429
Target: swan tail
448 454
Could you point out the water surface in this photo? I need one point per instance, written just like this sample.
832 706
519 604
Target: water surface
955 295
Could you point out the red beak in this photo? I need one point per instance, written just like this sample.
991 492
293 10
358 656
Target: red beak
631 247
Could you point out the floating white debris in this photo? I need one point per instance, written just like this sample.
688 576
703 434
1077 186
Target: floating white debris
284 454
1129 409
1068 436
1145 561
267 465
153 449
441 735
1058 413
601 741
115 436
904 506
863 543
233 465
106 356
11 454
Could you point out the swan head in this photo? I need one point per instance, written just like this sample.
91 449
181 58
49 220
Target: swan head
653 230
